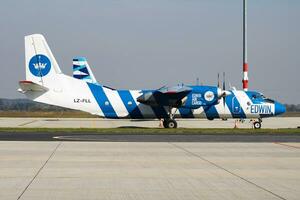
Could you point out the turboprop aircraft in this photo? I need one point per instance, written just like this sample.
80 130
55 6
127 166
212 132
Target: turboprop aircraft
46 83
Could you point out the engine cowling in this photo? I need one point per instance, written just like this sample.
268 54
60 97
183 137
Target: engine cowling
204 96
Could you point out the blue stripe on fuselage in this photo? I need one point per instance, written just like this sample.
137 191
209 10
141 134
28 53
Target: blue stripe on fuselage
102 101
229 103
132 108
211 112
186 113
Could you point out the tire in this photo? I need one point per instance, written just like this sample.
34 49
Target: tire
165 123
171 123
257 125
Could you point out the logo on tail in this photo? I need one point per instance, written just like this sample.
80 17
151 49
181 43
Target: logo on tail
39 65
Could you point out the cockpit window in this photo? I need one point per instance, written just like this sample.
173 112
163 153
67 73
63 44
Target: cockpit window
269 100
257 96
260 97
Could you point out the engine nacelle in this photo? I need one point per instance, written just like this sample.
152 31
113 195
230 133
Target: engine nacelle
156 98
203 96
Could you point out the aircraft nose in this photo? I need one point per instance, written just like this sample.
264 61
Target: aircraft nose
279 108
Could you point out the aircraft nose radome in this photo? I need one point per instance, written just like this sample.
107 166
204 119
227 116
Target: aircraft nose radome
279 109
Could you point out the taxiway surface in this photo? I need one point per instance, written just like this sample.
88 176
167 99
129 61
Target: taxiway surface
147 171
65 166
275 122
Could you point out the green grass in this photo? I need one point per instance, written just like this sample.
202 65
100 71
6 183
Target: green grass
153 131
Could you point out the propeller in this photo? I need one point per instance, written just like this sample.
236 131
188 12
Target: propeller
224 89
224 85
218 80
223 92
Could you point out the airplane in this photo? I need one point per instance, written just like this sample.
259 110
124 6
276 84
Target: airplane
46 83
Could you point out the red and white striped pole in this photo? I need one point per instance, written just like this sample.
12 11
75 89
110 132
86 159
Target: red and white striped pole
245 59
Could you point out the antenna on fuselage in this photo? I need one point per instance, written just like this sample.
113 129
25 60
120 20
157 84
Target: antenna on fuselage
245 51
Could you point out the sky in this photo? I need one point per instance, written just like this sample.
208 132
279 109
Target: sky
140 44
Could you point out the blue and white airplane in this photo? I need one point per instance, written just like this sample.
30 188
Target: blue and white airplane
46 83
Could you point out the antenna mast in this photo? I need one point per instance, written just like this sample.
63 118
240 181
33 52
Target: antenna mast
245 52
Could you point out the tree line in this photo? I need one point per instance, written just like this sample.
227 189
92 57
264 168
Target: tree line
27 105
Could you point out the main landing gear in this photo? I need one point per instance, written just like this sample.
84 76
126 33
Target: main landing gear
257 124
170 123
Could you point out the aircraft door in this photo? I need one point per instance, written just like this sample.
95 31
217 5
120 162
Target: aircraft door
236 108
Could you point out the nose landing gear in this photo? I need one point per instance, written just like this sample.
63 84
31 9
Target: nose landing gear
257 124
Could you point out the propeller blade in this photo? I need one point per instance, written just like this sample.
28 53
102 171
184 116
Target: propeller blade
224 85
218 80
224 88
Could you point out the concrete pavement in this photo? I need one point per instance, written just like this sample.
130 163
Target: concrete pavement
161 171
276 122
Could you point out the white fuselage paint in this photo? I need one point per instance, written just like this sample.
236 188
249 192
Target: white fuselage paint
75 94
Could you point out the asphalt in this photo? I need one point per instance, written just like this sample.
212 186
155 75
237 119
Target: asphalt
63 136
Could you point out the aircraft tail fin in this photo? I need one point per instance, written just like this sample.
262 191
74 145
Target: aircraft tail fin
82 70
41 66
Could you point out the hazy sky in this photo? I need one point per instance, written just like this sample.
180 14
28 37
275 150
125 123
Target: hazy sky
151 43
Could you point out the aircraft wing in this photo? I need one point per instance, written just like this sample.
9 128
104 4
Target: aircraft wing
174 90
166 96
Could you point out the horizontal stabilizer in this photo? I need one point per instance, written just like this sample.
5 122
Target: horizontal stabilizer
31 86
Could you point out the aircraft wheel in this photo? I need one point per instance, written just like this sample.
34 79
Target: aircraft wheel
170 123
257 125
165 123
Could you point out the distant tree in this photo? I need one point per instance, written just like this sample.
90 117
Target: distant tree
292 107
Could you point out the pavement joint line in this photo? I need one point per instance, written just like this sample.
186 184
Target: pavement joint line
41 168
228 171
26 123
287 145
